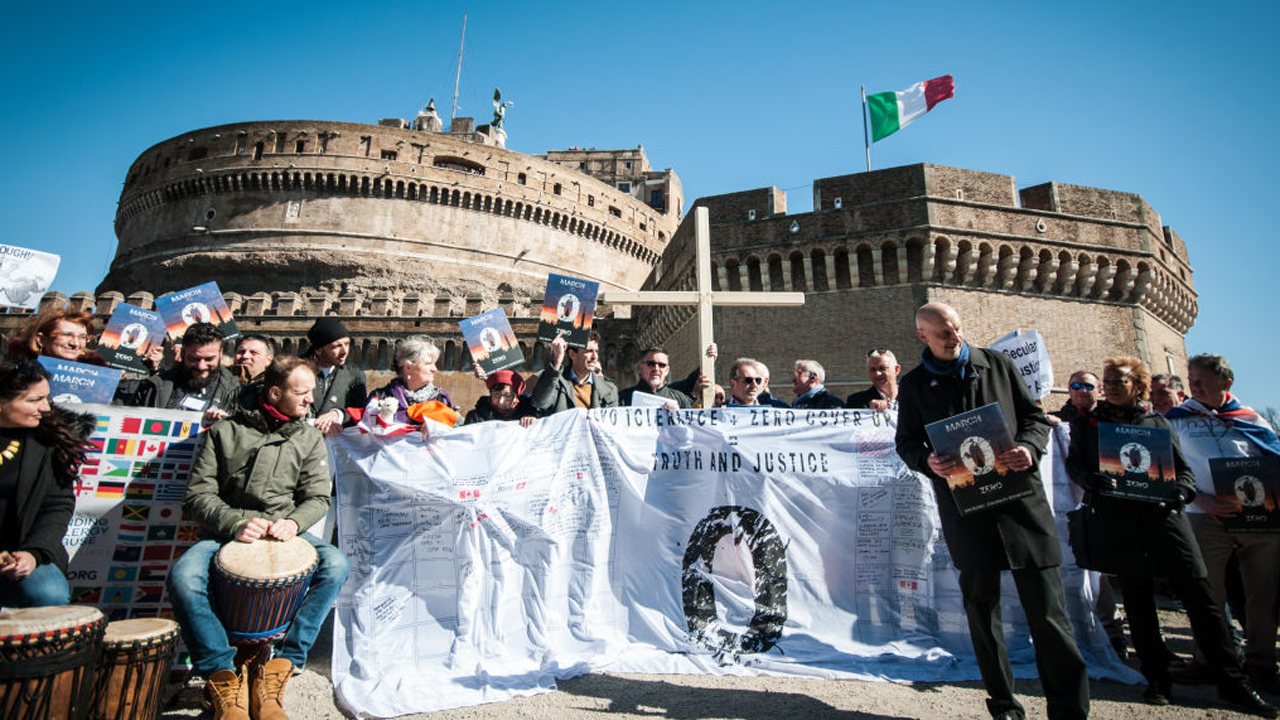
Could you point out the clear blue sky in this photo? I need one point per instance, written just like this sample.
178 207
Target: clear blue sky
1171 100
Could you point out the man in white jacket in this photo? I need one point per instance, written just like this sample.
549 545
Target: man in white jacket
1214 424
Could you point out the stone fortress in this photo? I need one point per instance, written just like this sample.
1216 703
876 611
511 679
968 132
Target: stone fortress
403 227
1093 270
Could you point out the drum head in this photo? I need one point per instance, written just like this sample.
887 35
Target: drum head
39 620
266 559
138 630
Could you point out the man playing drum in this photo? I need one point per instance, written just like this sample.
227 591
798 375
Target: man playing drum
262 474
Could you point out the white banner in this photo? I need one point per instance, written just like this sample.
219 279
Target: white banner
1028 352
496 559
25 275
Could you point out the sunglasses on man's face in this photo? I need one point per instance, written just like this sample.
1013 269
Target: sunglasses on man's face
1081 386
751 380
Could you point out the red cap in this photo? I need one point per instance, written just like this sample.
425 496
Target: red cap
505 377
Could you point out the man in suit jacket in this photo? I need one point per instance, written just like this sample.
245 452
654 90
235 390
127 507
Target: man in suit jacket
1017 535
883 369
563 386
807 383
338 385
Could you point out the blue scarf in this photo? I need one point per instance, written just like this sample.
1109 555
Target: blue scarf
952 367
1235 415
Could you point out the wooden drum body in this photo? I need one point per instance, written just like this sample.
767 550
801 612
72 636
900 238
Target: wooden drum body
136 658
47 658
258 586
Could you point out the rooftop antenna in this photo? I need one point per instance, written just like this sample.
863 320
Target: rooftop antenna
458 80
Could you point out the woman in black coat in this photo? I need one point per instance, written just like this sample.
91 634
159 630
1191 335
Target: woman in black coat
41 448
1154 539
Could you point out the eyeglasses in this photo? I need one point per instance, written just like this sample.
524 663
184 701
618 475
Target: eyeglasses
502 395
1081 386
751 380
78 337
654 363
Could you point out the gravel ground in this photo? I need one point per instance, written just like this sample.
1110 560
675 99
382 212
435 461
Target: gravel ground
310 696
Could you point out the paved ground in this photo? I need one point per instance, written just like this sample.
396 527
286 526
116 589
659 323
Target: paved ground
686 697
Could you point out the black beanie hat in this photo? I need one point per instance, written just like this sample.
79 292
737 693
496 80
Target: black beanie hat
325 331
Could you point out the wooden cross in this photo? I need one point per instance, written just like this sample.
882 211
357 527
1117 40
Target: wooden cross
704 298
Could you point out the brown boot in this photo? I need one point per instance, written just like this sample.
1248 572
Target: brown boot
266 695
228 693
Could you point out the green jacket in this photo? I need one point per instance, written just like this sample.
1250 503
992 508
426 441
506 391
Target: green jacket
244 471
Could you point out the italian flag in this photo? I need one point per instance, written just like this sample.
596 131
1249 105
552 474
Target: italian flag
892 111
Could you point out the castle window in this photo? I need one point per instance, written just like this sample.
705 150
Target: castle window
615 211
521 178
960 193
751 214
389 154
300 147
324 143
655 199
279 142
625 186
556 188
198 153
166 163
258 150
459 164
839 203
591 201
627 164
240 144
365 142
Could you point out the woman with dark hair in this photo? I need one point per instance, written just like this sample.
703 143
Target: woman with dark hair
41 448
1149 539
63 334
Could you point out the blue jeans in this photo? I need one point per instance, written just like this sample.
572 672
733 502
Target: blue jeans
202 631
46 585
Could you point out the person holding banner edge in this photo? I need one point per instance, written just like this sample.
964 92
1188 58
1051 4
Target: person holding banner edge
1018 535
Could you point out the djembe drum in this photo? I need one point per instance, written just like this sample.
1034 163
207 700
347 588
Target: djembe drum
136 658
258 586
47 657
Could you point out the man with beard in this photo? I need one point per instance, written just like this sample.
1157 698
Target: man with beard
198 382
263 474
654 369
338 385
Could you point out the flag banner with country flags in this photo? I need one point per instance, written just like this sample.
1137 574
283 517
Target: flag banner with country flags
128 526
892 111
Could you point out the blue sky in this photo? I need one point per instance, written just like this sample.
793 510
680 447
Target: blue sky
1170 100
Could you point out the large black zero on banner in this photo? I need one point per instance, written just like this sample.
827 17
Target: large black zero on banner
768 554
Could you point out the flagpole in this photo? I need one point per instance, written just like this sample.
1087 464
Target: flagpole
865 141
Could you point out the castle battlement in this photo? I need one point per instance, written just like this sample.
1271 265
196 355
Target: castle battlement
897 237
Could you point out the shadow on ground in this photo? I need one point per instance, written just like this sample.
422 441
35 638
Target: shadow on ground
659 698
